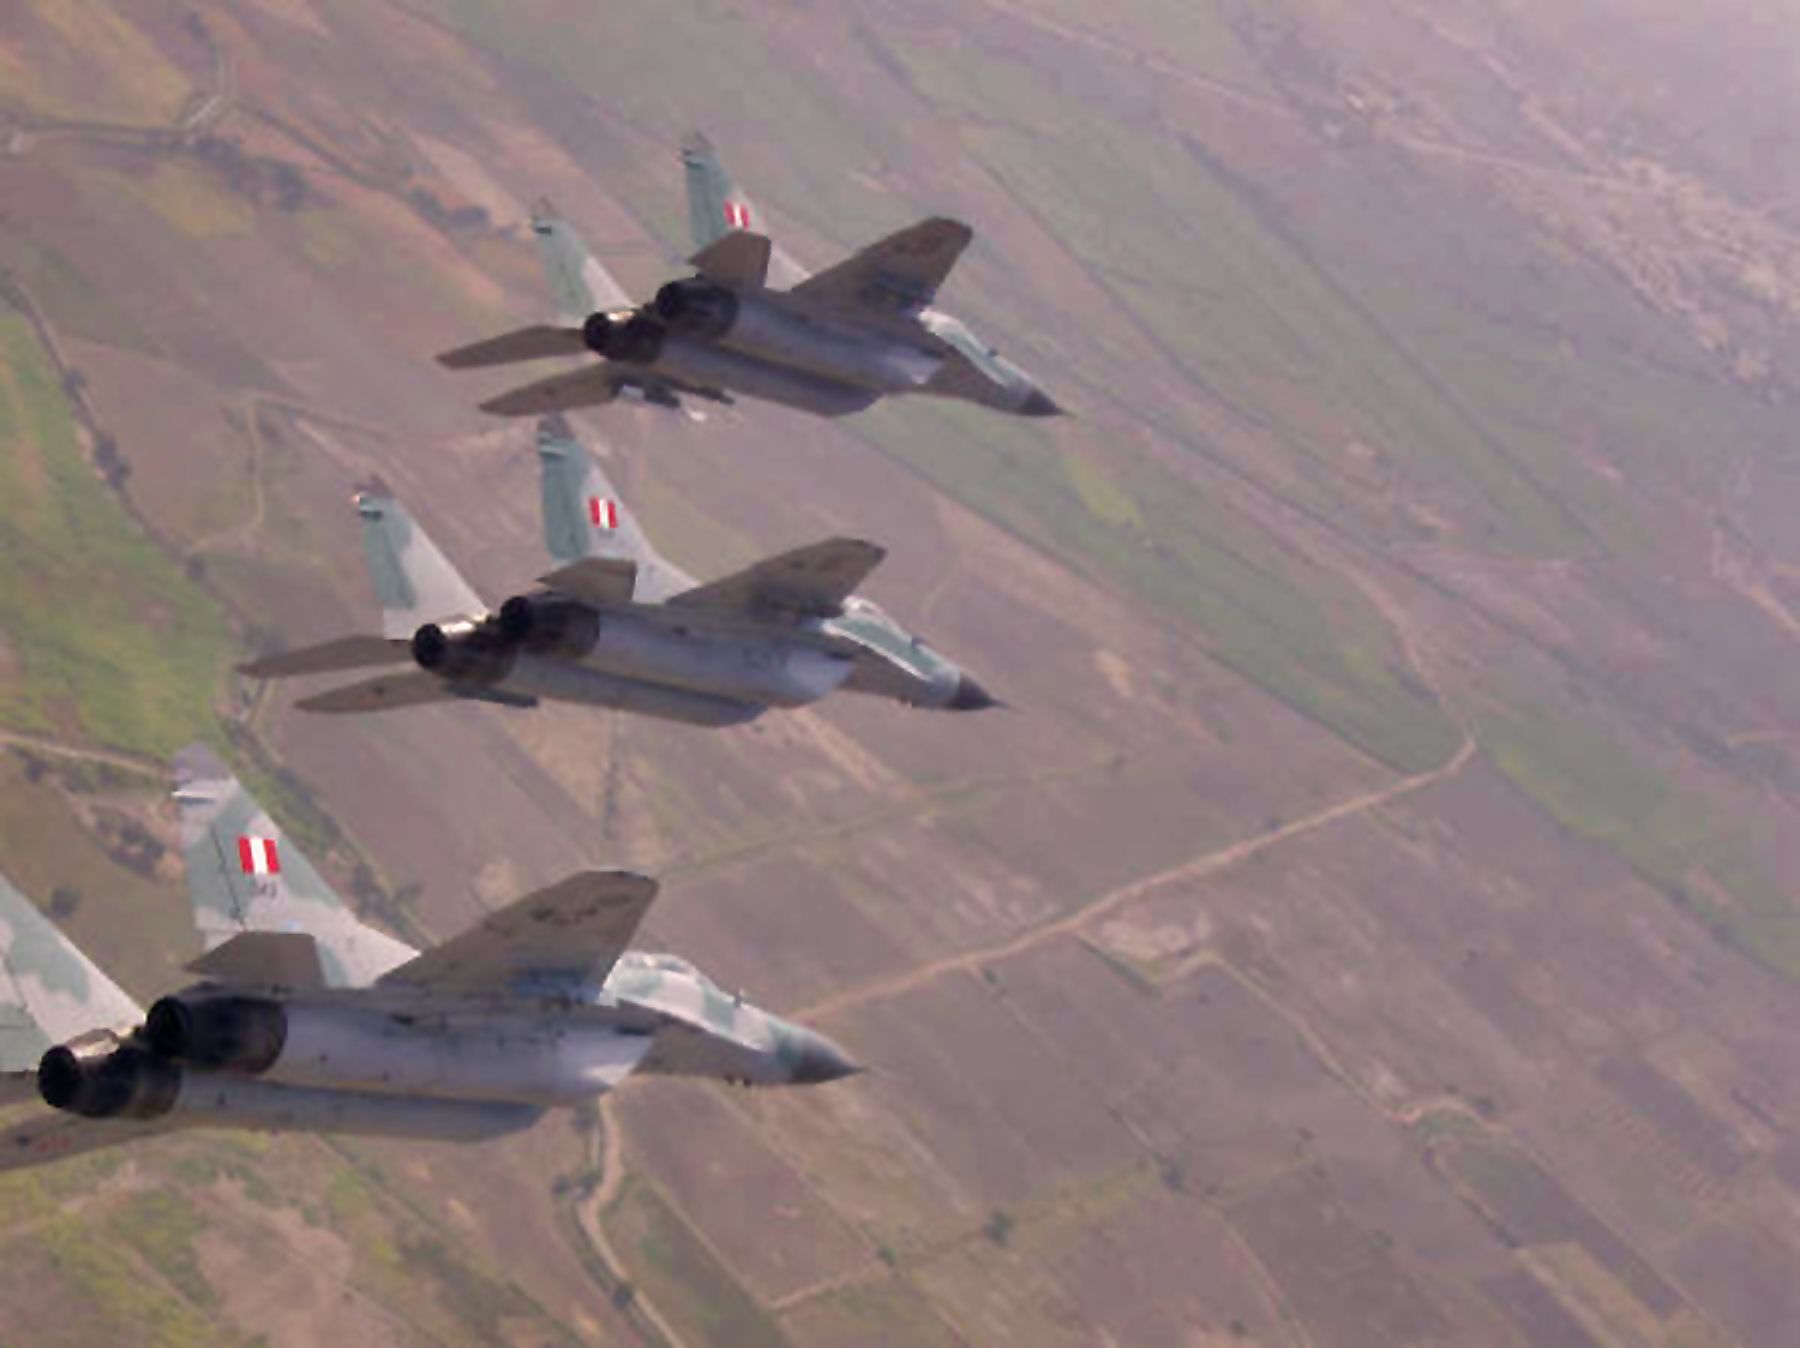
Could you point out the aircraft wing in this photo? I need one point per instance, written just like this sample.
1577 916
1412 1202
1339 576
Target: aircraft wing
50 993
52 1137
900 274
568 935
809 582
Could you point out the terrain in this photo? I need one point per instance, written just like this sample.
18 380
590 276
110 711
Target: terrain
1373 920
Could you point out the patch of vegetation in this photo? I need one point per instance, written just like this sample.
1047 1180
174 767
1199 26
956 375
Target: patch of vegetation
74 304
1300 633
999 1226
161 1227
1104 498
884 1311
350 1200
730 81
1230 292
1603 791
107 638
190 197
137 1310
135 927
683 1276
52 66
484 1305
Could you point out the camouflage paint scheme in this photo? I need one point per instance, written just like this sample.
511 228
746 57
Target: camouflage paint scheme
48 991
751 321
617 626
540 1004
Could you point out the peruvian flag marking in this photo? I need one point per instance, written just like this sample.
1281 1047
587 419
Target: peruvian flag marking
737 215
602 513
258 856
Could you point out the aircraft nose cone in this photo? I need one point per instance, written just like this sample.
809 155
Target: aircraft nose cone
818 1060
970 696
1039 404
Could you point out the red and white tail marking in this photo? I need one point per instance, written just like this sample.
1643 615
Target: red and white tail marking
737 214
258 856
602 513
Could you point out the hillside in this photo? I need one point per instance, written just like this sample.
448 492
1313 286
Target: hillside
1374 920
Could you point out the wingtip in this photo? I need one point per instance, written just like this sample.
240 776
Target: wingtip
197 762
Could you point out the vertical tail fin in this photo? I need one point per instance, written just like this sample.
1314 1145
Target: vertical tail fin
414 582
244 875
578 283
585 517
717 208
50 993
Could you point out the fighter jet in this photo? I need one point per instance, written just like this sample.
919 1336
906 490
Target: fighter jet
751 322
304 1019
617 626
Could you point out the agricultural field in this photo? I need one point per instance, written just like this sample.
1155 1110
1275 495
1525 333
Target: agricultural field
1372 920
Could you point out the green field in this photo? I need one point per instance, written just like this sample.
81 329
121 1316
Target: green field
105 639
1608 793
682 1274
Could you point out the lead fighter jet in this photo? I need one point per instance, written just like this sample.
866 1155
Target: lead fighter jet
617 626
751 322
304 1019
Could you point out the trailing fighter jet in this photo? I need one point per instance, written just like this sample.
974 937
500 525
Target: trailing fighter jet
617 626
304 1019
751 322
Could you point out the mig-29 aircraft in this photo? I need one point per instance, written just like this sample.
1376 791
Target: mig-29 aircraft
617 626
304 1019
751 322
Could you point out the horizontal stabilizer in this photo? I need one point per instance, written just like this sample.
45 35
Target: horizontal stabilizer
739 259
328 657
559 393
266 959
538 342
567 936
900 274
601 581
808 582
412 689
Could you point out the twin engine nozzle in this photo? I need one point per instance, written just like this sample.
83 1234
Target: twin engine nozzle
142 1079
631 338
483 651
692 306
